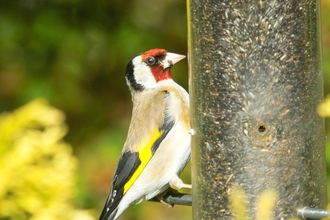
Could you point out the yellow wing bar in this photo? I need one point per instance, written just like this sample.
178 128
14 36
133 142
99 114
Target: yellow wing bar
145 154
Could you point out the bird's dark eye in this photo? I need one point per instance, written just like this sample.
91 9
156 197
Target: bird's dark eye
151 61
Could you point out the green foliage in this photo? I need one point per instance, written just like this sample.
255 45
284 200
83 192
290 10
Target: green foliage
37 178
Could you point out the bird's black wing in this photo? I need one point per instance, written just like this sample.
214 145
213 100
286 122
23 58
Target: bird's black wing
130 166
128 163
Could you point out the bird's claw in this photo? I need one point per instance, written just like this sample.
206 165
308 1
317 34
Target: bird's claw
161 200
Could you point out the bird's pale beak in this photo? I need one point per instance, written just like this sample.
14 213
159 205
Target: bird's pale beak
171 59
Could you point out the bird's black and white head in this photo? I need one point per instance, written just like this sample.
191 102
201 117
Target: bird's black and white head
148 69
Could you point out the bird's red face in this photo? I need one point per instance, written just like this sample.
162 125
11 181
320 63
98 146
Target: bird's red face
153 59
151 67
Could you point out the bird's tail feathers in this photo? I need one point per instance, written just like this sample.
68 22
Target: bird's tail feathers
107 215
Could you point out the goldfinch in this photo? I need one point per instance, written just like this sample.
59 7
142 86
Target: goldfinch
157 147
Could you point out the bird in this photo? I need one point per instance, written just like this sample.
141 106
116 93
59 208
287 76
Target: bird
158 143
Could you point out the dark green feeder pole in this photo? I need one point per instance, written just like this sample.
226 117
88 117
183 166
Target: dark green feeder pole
255 82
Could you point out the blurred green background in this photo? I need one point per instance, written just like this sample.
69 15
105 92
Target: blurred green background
74 53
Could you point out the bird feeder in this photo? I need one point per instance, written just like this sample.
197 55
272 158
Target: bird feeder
255 83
